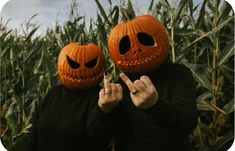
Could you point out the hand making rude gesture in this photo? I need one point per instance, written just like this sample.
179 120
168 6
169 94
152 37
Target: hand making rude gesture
110 95
143 93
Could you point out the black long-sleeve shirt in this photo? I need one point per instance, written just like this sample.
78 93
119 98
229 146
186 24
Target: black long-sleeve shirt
60 122
163 127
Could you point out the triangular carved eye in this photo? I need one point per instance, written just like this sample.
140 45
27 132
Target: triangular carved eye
124 45
72 63
92 63
145 39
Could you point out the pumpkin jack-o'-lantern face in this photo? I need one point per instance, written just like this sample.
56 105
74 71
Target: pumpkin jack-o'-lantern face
138 45
80 66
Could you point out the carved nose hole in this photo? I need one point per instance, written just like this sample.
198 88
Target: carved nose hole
124 45
139 50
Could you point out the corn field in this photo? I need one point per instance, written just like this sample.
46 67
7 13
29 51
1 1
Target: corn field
201 37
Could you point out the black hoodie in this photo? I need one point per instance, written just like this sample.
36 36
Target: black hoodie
60 122
163 127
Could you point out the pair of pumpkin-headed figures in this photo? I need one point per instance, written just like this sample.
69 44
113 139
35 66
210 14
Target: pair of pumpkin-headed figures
151 108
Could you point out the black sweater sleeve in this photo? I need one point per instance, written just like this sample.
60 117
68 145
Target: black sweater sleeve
179 114
175 111
101 126
31 144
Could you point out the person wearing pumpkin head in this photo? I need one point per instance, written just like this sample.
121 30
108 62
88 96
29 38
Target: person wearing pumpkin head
158 110
60 123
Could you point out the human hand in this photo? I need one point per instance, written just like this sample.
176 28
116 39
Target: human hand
143 93
110 95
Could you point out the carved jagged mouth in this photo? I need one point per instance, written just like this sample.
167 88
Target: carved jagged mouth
79 79
139 61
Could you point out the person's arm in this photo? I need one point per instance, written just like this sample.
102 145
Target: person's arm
32 141
179 114
101 126
102 118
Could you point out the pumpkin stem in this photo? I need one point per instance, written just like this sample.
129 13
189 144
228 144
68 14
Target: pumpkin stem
127 13
83 39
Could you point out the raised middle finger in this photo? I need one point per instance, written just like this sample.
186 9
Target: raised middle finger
107 86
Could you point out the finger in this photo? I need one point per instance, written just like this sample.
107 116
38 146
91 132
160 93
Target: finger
101 94
119 87
136 99
139 85
119 91
142 93
128 82
148 83
106 83
146 80
109 95
114 89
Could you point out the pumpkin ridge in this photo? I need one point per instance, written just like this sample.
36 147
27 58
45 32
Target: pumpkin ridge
131 34
148 57
76 56
82 77
136 28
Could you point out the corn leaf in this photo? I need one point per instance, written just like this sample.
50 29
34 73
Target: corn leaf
200 77
179 9
115 15
150 6
102 11
33 51
229 107
31 33
226 8
226 53
202 101
222 141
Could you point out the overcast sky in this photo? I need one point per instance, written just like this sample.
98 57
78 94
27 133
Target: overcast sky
50 11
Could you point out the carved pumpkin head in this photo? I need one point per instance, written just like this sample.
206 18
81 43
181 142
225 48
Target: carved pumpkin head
81 66
138 45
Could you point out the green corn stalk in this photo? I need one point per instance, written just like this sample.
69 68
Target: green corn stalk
201 37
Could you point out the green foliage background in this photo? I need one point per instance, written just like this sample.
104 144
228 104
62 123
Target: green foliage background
201 37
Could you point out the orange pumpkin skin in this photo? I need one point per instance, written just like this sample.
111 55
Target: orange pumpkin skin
81 66
139 45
